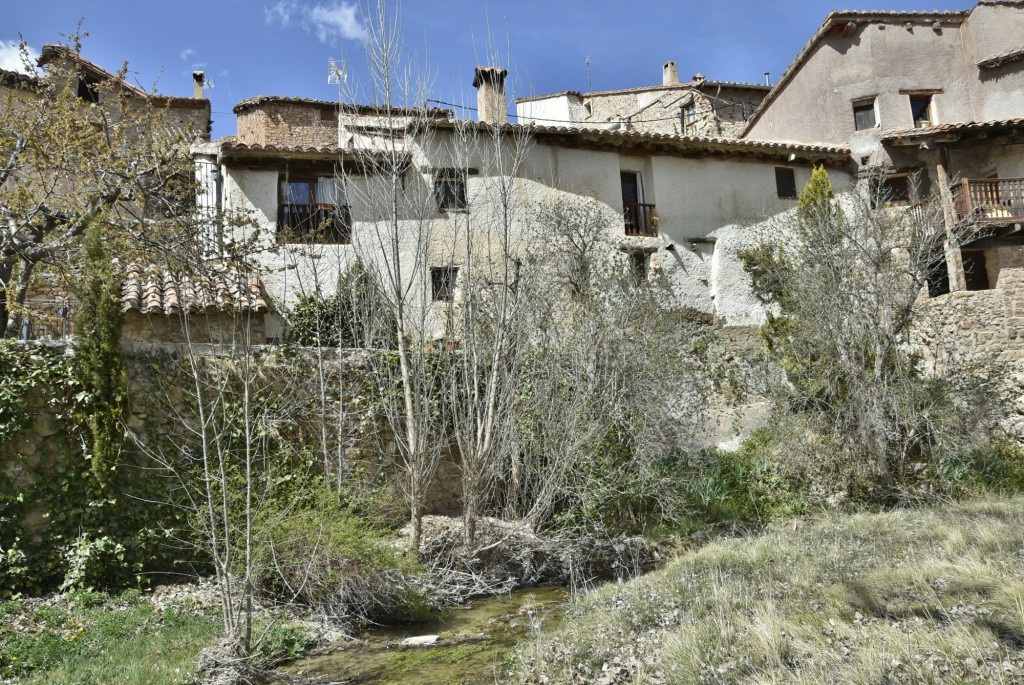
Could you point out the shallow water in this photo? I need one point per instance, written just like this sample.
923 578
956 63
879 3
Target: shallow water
473 642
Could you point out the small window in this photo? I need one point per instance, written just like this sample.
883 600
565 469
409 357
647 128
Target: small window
690 115
314 211
785 182
864 115
921 110
88 89
442 283
450 190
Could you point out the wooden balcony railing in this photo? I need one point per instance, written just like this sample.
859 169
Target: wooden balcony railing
989 199
641 219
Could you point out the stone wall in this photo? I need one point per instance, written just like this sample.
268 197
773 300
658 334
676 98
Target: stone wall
289 124
159 400
986 326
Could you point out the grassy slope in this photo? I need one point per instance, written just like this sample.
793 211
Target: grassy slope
926 595
94 639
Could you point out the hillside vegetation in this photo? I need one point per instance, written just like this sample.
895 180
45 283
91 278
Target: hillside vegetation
910 596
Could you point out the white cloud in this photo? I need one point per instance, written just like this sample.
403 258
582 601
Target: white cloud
186 53
339 19
329 22
281 13
10 57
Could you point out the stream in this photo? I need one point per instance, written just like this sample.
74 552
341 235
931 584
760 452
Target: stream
471 647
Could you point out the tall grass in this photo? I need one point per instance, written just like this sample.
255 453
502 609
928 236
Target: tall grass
922 596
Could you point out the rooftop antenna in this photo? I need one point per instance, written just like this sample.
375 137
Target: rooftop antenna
336 75
590 78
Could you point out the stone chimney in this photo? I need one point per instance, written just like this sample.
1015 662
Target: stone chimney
198 81
490 94
670 74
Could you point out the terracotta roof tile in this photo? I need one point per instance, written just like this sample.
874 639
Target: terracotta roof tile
939 129
234 146
682 141
349 108
152 291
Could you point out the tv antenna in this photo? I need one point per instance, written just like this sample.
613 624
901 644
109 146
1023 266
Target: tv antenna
590 78
336 75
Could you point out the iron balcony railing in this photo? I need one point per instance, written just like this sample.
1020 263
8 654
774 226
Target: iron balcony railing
989 199
641 219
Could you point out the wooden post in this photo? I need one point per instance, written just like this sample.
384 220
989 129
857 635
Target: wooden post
951 246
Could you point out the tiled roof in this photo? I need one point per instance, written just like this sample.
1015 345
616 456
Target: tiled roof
349 108
619 137
234 146
833 21
51 51
152 291
939 129
11 78
1001 59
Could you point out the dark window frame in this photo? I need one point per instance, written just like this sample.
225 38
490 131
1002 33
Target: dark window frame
88 89
443 280
450 190
313 221
861 108
922 110
785 183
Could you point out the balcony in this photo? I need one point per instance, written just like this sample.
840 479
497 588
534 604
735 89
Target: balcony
641 219
993 200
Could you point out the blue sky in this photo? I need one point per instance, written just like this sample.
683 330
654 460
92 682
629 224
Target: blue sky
282 47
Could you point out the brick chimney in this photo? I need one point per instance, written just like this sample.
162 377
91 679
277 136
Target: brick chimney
198 81
490 94
670 74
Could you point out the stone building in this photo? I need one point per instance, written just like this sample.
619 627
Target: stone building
698 107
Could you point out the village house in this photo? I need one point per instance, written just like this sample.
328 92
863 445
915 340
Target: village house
928 102
673 202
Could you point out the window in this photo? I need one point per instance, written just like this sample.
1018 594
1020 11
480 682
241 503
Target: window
313 211
442 283
785 182
921 110
689 115
892 191
450 190
864 115
88 89
640 218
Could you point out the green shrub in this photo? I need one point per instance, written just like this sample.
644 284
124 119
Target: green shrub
746 487
280 642
340 565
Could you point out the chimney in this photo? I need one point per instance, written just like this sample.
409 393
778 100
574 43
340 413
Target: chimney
669 74
490 94
198 81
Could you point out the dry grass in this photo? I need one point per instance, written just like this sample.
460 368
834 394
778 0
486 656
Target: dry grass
915 596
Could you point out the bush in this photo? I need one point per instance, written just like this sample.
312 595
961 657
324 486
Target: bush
342 567
746 487
280 642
